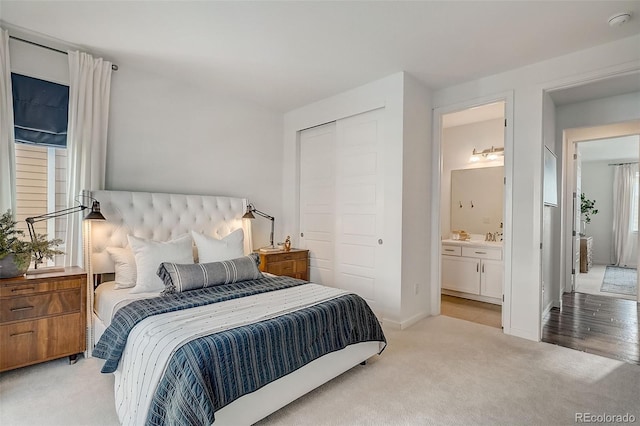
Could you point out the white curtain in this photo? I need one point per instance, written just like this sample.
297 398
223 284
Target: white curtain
89 89
7 144
624 238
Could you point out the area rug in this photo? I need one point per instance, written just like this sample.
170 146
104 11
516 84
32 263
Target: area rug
620 280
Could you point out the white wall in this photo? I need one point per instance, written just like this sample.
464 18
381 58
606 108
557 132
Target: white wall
416 196
597 112
37 62
597 184
458 143
406 184
528 84
167 136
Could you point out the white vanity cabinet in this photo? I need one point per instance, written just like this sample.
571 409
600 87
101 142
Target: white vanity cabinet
473 270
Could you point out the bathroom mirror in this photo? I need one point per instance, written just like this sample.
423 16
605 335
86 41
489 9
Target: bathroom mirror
477 199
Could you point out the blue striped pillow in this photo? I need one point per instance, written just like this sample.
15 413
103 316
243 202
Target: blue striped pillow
184 277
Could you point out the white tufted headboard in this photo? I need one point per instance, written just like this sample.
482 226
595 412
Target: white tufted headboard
160 217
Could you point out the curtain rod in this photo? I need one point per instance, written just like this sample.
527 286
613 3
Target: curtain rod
114 67
622 164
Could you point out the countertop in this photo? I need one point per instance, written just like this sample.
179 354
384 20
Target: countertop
473 243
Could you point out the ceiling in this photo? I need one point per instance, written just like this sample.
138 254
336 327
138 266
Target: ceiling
284 55
621 148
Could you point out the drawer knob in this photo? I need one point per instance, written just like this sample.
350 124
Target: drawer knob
380 241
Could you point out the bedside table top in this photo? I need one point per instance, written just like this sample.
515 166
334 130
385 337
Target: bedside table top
68 272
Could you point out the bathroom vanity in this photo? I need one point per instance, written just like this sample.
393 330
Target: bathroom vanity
473 269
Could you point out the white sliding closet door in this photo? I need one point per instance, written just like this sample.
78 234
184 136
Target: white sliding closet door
341 202
359 203
317 200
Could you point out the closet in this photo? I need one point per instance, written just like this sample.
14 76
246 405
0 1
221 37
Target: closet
342 202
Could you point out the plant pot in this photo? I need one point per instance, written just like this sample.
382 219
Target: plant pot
9 269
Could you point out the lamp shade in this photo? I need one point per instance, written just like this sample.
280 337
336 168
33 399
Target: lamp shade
248 214
95 212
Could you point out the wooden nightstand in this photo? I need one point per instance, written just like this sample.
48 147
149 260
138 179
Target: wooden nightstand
293 263
42 317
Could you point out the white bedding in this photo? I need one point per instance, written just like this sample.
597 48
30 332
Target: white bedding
152 342
109 299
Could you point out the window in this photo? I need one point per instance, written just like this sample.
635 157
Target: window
40 119
634 204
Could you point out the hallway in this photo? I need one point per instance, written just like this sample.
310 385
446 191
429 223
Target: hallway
595 324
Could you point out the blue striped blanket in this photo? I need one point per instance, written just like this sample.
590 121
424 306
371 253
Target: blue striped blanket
209 372
114 339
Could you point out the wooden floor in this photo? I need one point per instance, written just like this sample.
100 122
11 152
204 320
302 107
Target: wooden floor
470 310
599 325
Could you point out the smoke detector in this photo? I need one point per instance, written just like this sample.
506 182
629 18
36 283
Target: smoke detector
619 19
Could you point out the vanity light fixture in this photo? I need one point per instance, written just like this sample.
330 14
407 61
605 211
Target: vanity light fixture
489 154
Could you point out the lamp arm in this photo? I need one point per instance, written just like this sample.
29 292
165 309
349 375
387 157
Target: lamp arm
272 219
254 210
55 214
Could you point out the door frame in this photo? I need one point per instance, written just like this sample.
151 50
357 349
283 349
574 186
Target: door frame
436 167
570 138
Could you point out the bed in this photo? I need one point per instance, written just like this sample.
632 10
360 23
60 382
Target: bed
200 356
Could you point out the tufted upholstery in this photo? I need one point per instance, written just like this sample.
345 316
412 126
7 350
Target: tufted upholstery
160 217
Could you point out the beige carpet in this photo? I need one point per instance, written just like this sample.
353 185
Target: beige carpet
440 371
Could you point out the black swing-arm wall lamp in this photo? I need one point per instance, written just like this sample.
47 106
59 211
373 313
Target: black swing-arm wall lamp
94 214
249 215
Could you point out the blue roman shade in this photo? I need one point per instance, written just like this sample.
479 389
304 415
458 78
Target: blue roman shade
40 111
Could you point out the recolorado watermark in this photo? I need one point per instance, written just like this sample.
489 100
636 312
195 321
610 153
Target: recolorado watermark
604 418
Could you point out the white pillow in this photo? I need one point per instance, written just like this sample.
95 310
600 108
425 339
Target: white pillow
125 263
211 249
150 254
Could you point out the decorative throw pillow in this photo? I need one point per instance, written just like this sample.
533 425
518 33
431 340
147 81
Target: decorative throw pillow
211 249
150 254
125 263
178 278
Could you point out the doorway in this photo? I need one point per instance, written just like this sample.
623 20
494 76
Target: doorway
472 213
607 179
601 254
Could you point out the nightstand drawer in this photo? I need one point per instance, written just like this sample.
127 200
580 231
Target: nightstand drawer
27 342
283 257
39 305
27 288
287 268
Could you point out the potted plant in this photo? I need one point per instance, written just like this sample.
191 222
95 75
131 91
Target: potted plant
16 252
587 208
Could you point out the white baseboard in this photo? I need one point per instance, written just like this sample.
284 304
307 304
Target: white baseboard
401 325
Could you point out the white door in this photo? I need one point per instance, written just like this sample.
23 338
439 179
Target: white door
317 200
577 216
359 203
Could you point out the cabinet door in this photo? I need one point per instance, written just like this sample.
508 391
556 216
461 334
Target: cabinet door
492 277
461 274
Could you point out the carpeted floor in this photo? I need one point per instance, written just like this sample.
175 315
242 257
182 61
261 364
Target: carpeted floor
620 280
441 371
